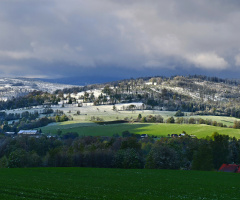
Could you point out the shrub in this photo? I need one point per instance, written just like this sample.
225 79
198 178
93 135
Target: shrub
162 157
127 159
171 120
179 113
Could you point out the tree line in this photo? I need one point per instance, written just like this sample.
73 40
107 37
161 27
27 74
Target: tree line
34 98
180 120
130 151
26 123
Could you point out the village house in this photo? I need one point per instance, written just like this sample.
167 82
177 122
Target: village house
230 168
32 133
174 135
144 135
11 134
182 134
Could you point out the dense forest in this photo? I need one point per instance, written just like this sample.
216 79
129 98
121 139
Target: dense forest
128 151
34 98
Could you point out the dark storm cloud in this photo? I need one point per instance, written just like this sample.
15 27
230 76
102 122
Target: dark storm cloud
65 38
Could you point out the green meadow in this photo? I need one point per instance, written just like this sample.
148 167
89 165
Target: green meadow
83 126
92 129
229 121
93 183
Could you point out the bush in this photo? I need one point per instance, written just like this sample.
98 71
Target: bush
191 121
3 162
17 158
127 159
162 157
171 120
179 113
203 159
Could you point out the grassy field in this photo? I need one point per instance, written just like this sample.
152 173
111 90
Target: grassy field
90 183
138 128
229 121
106 112
82 124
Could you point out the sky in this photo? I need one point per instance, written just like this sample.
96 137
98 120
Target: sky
115 39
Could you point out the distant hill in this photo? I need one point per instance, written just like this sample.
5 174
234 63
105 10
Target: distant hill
197 94
15 87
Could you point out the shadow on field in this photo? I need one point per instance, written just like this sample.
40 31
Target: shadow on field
139 128
93 129
110 130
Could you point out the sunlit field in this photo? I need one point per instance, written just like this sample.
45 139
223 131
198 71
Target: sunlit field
92 129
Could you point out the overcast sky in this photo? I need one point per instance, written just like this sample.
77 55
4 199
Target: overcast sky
119 38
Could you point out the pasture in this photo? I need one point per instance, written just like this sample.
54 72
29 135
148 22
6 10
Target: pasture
229 121
83 126
107 113
92 129
93 183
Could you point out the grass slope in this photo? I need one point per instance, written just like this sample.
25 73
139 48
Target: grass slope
151 129
229 121
90 183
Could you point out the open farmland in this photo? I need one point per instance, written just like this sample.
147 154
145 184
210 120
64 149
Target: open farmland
81 123
105 112
139 128
229 121
92 183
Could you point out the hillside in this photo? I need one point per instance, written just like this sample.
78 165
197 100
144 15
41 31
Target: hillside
197 94
193 95
149 97
159 130
15 87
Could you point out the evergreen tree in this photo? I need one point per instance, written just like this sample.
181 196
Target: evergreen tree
203 159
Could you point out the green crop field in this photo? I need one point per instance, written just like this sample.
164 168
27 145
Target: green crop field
92 183
139 128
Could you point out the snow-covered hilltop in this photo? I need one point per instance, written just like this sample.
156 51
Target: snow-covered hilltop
15 87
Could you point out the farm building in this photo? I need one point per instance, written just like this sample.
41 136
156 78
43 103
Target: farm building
182 134
29 133
11 134
144 135
174 135
230 168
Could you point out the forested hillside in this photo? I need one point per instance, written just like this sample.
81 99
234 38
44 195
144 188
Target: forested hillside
198 94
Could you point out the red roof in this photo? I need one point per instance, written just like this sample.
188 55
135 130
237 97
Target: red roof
238 171
230 168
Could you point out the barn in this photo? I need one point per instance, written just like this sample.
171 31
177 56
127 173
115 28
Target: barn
230 168
31 133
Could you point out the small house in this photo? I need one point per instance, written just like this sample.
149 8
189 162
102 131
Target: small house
174 135
34 133
144 135
11 134
182 134
230 168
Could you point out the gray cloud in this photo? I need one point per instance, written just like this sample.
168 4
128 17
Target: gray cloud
59 38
